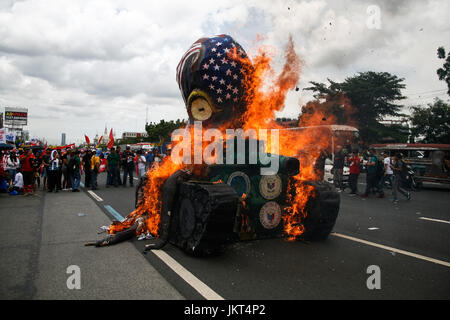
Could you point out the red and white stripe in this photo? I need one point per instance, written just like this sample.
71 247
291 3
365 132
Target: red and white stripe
195 48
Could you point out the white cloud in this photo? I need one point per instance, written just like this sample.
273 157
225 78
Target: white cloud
80 64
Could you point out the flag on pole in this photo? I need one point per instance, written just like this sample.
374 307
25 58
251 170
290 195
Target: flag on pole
111 140
99 141
87 140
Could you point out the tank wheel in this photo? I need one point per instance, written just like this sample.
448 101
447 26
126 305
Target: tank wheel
204 218
322 211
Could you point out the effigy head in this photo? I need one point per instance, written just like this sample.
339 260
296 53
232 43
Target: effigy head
211 78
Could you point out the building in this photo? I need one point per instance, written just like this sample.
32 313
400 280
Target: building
128 135
63 139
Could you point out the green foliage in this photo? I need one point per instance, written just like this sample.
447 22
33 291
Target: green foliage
163 129
431 124
444 72
372 96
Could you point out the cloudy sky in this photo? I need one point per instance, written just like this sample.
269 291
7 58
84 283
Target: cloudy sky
80 65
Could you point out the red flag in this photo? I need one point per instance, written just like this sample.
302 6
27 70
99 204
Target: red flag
87 139
99 141
45 147
111 140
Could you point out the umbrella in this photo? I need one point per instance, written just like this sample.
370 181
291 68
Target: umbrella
5 146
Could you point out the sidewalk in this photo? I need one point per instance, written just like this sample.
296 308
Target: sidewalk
40 237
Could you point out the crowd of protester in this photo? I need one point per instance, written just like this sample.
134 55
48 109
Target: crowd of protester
382 171
24 171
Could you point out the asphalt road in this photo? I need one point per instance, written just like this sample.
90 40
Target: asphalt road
408 241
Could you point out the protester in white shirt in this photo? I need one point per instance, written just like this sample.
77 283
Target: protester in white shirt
388 173
141 161
12 165
18 181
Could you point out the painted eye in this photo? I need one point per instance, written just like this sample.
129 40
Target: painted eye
201 110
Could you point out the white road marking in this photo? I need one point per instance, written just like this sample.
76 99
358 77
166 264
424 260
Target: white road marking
95 196
373 228
406 253
192 280
435 220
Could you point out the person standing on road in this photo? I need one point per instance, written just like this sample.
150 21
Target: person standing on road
74 165
119 154
127 166
26 161
338 168
398 168
141 164
65 170
95 169
354 172
149 159
388 173
112 167
87 168
44 165
372 175
54 170
12 165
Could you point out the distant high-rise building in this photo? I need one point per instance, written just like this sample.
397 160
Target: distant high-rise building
63 139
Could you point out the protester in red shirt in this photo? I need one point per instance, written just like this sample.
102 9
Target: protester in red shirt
354 172
26 162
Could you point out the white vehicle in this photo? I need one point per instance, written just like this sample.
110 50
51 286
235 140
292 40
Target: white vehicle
328 175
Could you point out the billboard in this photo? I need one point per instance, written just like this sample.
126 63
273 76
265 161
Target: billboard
16 116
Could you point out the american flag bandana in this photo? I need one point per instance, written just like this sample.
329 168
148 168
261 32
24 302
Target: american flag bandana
209 66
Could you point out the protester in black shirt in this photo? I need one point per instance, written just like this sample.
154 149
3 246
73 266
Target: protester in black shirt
338 168
87 168
127 162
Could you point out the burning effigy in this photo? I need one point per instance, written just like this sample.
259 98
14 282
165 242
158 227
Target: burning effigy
234 172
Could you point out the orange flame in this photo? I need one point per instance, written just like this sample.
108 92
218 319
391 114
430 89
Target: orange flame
265 95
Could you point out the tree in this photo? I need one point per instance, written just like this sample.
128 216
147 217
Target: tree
163 129
371 95
444 72
431 124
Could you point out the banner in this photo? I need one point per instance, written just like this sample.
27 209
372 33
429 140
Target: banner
10 137
16 116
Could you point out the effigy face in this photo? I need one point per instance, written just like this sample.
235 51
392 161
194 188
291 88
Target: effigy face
211 77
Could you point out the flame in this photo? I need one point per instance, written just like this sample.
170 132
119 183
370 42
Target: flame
265 95
150 207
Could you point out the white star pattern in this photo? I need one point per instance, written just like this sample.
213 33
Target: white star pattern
221 69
